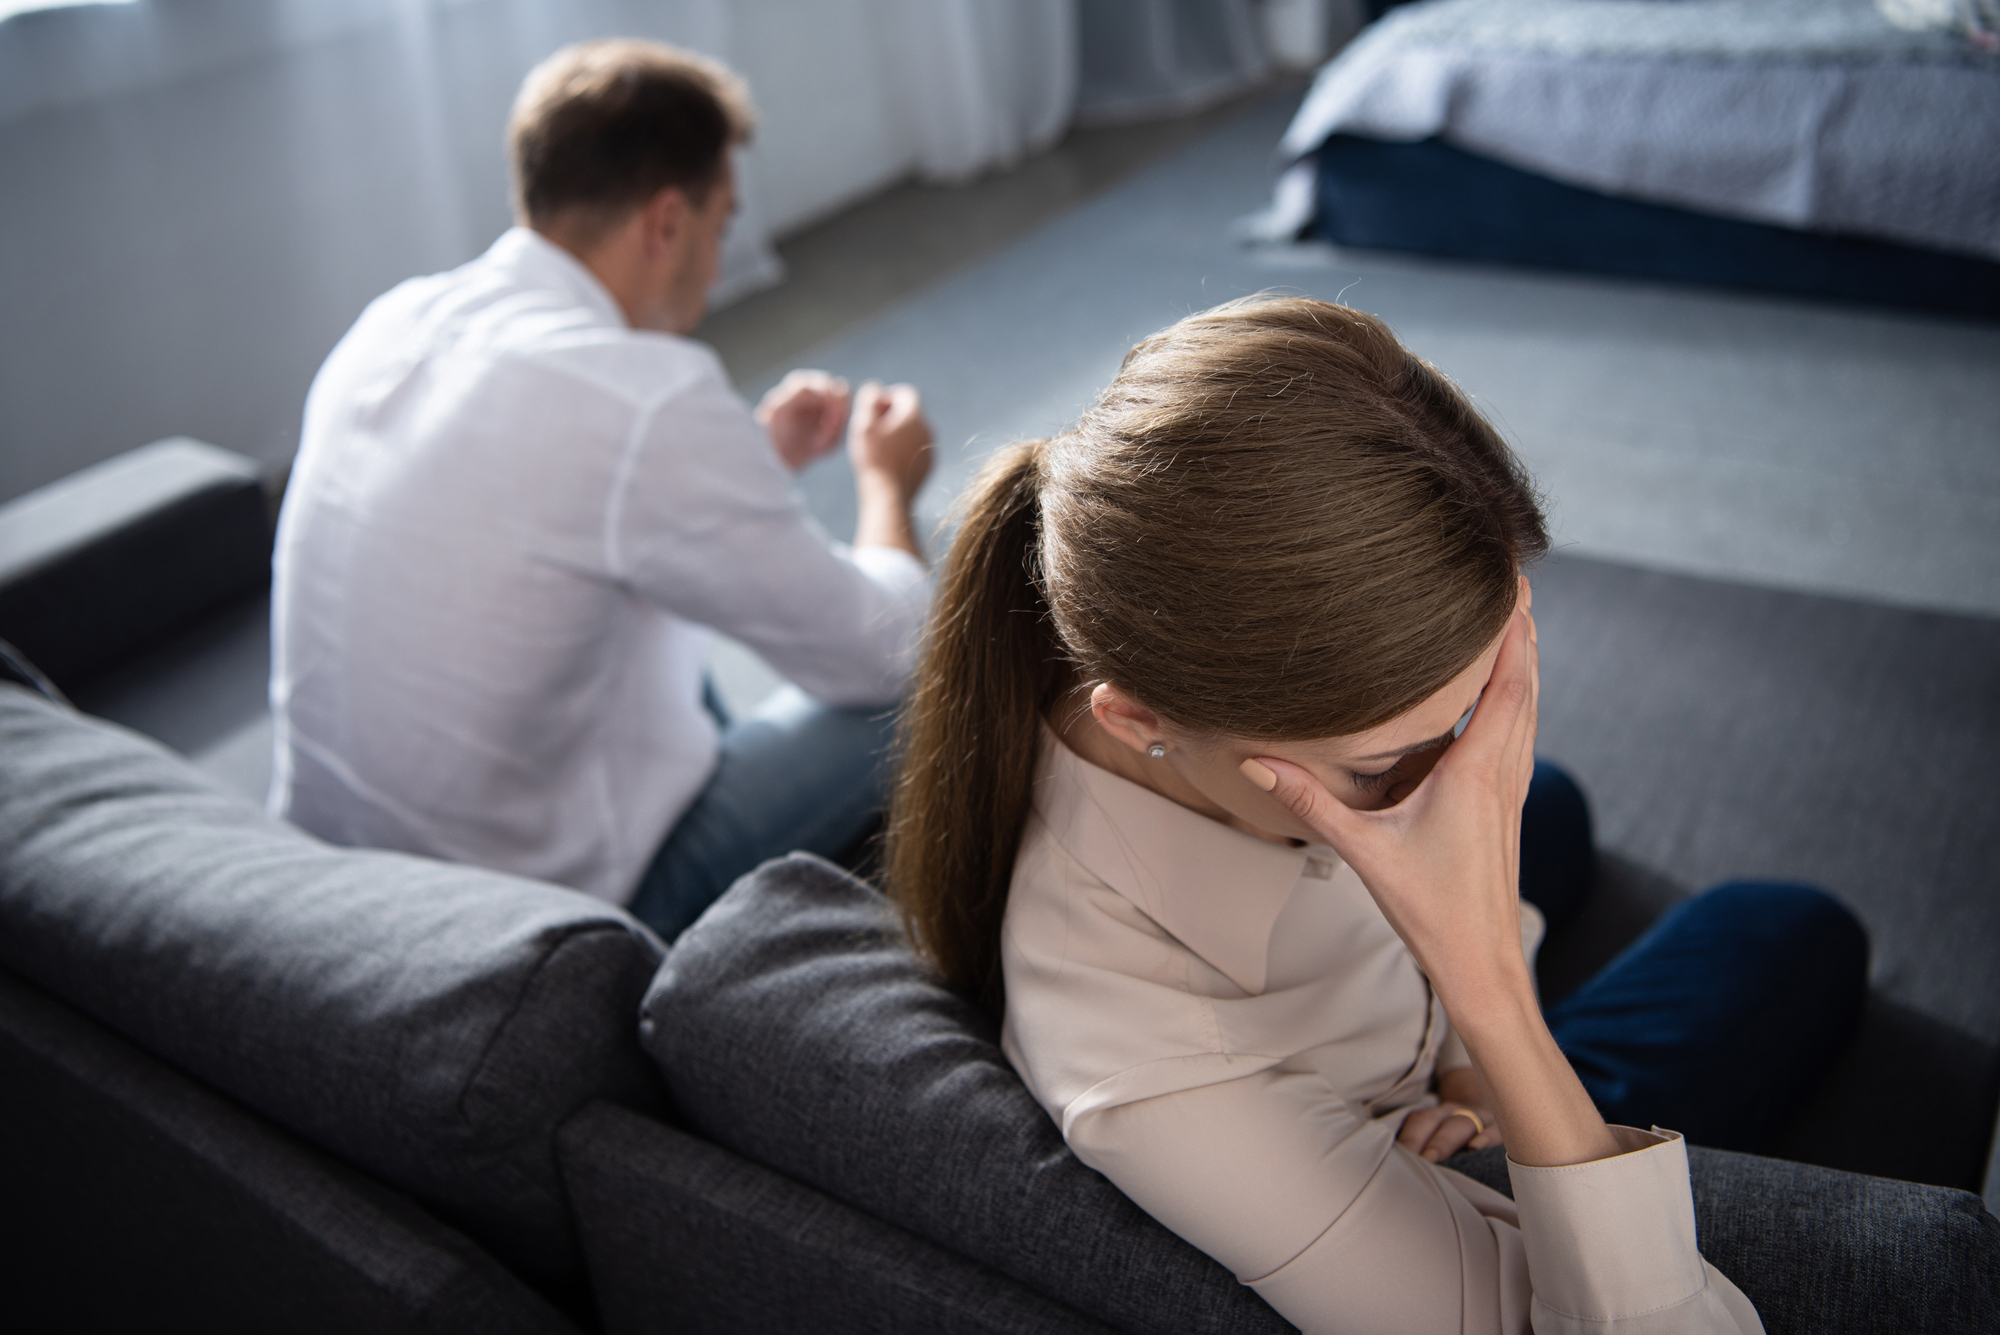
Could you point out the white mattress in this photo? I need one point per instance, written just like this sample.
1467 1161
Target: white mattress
1815 114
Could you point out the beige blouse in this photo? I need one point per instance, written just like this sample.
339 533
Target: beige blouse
1231 1032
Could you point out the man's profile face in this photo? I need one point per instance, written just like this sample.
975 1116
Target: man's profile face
708 220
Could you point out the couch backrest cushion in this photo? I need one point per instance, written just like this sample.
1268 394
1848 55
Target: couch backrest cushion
795 1027
433 1024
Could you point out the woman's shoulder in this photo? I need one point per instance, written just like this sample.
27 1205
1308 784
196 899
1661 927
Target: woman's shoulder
1095 987
1058 906
1101 844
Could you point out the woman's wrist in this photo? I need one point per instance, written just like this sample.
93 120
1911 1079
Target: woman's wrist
1545 1114
1494 995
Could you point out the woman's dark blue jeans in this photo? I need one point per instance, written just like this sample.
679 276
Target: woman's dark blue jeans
1718 1020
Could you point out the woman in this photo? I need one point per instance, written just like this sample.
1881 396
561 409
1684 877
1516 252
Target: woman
1190 789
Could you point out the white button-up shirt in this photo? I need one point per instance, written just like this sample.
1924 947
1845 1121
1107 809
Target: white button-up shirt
511 518
1231 1032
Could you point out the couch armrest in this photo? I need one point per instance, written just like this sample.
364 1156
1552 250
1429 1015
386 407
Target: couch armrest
683 1236
94 567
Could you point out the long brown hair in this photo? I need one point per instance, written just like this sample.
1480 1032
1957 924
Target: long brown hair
1276 524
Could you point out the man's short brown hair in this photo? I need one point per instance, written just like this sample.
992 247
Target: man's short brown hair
600 127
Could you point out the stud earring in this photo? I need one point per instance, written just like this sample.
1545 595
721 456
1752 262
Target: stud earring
1157 750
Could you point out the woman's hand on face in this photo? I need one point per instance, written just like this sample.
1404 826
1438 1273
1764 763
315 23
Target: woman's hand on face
1444 863
1439 1132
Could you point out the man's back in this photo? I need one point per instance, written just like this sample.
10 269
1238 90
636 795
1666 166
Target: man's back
510 519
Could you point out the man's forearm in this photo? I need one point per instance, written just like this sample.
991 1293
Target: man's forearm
885 519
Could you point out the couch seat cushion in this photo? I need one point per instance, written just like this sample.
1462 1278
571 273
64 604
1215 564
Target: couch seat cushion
795 1027
432 1024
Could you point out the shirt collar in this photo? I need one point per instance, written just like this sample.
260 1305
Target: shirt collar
534 261
1218 890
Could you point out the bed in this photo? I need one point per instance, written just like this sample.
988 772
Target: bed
1810 146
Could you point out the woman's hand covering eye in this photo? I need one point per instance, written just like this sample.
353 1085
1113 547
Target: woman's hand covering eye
1444 863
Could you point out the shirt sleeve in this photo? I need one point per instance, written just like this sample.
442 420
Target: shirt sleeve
703 521
1314 1205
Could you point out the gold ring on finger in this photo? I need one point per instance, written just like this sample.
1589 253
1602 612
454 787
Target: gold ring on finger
1479 1127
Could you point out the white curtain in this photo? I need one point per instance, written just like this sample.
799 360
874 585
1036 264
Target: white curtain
986 81
1143 59
198 196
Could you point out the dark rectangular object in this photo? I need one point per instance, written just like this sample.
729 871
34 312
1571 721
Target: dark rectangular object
1439 200
99 565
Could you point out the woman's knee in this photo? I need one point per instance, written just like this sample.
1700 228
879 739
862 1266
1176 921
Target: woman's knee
1802 917
1810 943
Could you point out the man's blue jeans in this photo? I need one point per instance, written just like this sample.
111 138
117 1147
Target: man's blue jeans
796 774
1718 1020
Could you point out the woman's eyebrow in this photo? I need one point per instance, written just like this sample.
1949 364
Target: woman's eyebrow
1409 750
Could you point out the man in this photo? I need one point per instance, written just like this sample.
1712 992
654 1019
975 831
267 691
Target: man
521 497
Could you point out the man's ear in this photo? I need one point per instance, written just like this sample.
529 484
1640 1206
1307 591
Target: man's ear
1123 717
665 218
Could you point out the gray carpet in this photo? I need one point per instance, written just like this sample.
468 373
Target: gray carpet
1792 443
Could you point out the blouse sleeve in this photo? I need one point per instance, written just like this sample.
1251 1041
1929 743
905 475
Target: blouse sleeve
1313 1204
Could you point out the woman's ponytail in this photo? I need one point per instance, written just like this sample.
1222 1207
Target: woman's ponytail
990 672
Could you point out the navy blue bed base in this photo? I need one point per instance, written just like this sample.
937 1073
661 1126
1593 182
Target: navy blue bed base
1440 200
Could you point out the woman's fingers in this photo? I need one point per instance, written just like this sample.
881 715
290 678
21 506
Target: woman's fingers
1503 721
1438 1133
1530 717
1531 661
1306 797
1453 1134
1418 1126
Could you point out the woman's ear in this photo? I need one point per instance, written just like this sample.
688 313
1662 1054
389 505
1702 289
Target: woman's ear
1124 718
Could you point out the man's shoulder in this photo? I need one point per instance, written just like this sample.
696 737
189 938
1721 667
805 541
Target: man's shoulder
474 314
643 369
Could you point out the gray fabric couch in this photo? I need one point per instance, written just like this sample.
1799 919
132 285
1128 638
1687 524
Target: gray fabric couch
258 1083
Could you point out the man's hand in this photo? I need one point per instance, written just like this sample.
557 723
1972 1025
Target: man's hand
889 436
890 444
804 413
1438 1133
